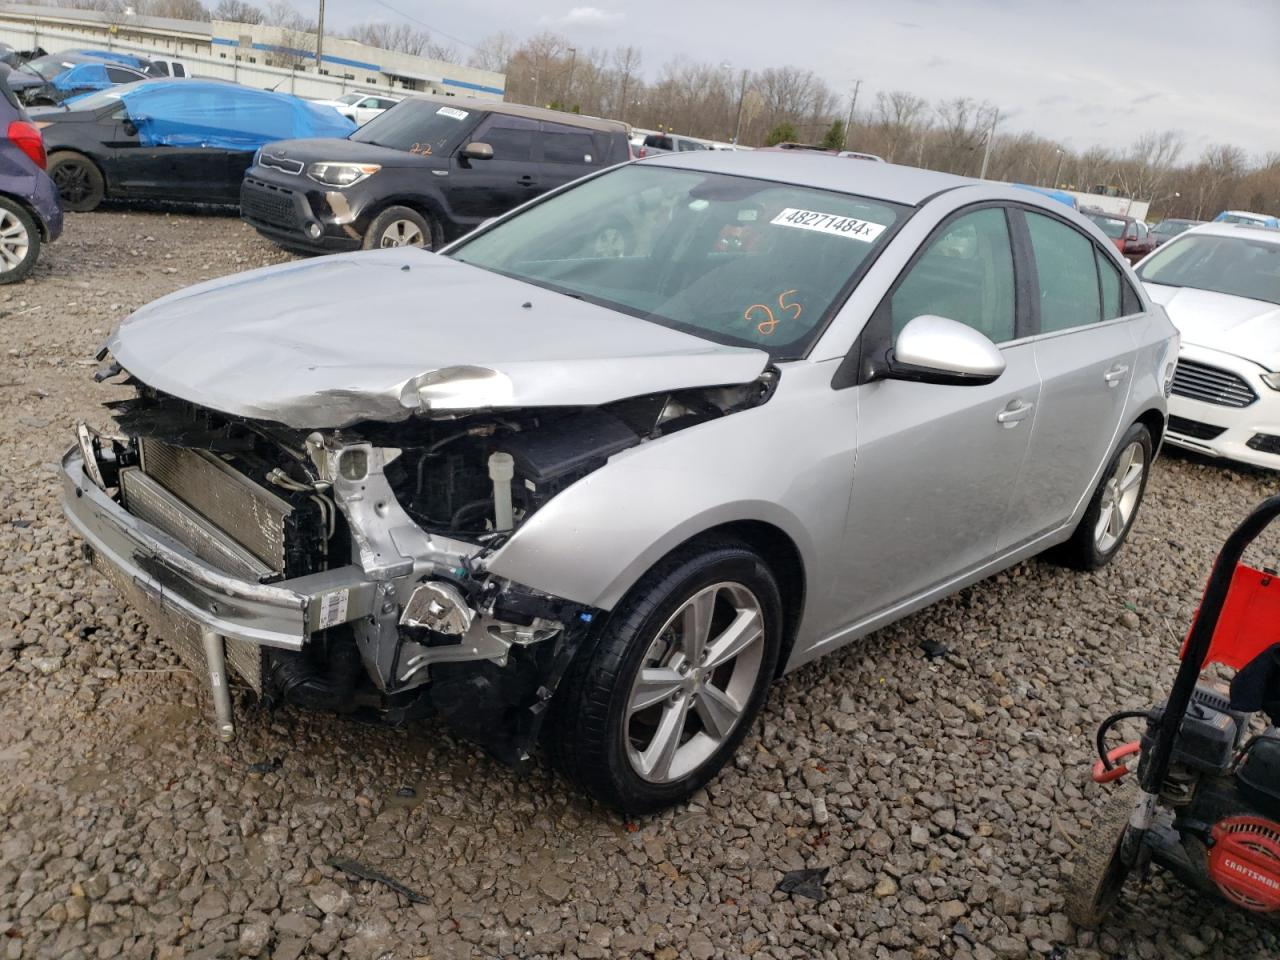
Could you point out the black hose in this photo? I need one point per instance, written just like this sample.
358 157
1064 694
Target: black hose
1105 728
460 515
305 683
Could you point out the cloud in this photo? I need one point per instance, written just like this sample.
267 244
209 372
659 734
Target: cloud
589 17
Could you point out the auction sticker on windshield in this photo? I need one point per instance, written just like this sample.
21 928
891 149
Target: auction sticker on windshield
831 223
452 113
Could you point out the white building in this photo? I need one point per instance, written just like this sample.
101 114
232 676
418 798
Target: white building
259 56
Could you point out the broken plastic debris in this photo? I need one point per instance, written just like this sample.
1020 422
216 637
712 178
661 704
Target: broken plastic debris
804 883
353 868
933 649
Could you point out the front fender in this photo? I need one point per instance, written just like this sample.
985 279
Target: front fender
770 464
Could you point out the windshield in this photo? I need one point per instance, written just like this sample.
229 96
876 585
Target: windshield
731 259
1235 265
48 66
1111 226
1171 228
418 126
349 98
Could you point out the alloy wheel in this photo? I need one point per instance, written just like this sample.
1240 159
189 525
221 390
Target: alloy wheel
15 241
72 181
1120 496
402 233
694 683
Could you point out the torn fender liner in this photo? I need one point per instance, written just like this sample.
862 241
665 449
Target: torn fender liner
503 708
383 335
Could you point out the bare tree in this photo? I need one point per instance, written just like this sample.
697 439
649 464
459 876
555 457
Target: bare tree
1149 163
281 13
399 37
899 115
176 9
626 66
494 53
237 11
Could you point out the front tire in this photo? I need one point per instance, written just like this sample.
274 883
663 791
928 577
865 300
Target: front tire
79 181
1098 868
399 227
19 242
1106 523
655 708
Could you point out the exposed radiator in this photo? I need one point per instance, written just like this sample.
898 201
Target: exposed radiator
252 516
245 659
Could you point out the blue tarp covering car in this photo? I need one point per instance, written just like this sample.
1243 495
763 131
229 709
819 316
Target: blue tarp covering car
84 77
212 113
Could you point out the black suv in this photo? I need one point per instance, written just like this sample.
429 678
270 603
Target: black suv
424 172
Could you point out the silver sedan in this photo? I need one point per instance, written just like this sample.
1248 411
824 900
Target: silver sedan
603 493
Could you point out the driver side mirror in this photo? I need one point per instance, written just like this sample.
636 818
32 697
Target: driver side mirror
932 349
477 151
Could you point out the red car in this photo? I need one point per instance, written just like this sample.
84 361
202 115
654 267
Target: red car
1131 237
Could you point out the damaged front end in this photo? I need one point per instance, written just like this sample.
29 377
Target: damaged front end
345 569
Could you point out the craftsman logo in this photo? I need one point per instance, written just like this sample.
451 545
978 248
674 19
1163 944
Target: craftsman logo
1251 873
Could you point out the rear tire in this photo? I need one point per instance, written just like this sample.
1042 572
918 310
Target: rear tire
653 709
79 181
1114 507
1098 874
399 227
19 242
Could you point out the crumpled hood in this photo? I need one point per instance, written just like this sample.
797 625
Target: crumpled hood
1235 325
326 342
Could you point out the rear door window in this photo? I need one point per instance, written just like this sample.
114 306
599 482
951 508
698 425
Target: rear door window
1068 274
512 138
565 144
117 75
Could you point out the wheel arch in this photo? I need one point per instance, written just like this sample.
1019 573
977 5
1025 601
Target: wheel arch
107 182
31 211
779 552
1154 420
419 203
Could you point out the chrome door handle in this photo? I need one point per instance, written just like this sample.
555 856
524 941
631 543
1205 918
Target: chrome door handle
1016 411
1115 375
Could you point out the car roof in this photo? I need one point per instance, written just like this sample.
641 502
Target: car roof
1245 230
520 110
1096 212
880 181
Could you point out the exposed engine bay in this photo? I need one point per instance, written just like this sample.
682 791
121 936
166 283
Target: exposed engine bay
412 508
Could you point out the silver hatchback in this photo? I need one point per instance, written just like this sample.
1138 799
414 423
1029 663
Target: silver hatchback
601 470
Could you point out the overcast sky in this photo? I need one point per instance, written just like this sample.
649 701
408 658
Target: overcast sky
1083 71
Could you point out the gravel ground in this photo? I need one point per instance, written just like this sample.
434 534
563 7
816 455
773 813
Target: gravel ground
944 795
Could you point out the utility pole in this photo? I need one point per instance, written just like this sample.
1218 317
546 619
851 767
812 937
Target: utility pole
742 99
320 37
853 102
1058 172
991 135
568 87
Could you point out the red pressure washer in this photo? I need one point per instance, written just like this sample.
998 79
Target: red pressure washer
1207 807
